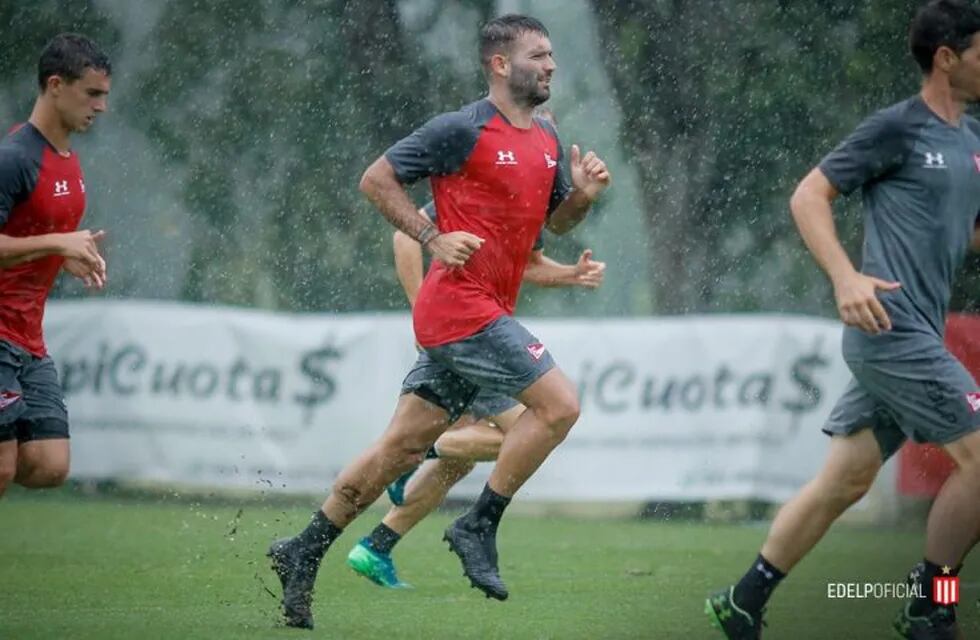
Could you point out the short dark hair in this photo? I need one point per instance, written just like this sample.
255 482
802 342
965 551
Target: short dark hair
68 55
942 23
500 33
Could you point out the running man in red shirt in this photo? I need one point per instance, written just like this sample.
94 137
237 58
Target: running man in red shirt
42 199
495 180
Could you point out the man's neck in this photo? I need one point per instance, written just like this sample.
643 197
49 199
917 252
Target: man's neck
46 120
942 99
517 115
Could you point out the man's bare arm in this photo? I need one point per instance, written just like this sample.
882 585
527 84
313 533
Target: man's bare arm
569 213
856 293
80 245
408 263
545 272
385 192
590 177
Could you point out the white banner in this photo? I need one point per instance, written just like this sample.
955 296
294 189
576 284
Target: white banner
681 408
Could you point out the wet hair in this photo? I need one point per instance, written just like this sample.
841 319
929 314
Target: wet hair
498 35
68 55
942 23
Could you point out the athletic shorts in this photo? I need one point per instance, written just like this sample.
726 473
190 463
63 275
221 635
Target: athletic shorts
928 399
487 404
503 358
32 404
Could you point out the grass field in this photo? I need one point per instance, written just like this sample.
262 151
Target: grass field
101 568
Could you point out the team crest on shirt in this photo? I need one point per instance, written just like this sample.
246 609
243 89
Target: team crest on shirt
549 161
973 399
7 398
536 350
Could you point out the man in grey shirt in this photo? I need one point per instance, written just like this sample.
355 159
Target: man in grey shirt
918 166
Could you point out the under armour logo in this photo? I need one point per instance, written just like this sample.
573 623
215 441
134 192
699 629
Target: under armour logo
506 157
761 568
61 188
549 161
934 161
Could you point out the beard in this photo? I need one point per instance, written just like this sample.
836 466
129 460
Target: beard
524 88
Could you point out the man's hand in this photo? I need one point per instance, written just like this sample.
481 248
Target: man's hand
858 304
455 248
588 272
589 173
94 278
82 246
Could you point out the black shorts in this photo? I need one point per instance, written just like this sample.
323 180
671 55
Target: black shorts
502 359
32 404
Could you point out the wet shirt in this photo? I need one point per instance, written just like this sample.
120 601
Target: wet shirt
41 192
491 179
430 212
920 184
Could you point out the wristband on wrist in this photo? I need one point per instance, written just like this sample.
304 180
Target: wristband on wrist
427 234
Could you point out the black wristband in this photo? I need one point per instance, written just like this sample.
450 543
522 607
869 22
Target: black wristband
427 233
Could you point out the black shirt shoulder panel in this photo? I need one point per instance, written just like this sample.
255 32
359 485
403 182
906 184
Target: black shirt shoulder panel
20 165
879 145
562 185
442 145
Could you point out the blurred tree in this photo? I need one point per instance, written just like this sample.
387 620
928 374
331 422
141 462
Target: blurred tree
727 104
28 27
275 109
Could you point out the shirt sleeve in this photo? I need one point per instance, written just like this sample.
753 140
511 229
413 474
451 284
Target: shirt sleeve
14 180
873 150
561 187
439 147
430 210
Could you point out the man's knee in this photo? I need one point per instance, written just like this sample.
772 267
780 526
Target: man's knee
560 414
847 487
966 453
42 476
403 453
43 463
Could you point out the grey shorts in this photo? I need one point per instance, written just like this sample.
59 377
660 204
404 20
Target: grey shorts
32 405
932 399
487 404
503 358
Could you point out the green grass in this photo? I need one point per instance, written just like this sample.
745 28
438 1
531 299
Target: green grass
74 567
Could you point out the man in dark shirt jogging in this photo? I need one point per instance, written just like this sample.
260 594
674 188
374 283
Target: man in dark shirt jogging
917 164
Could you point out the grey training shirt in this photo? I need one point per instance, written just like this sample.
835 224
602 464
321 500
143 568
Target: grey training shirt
920 186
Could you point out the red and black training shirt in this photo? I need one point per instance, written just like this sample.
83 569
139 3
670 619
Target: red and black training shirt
492 179
41 192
